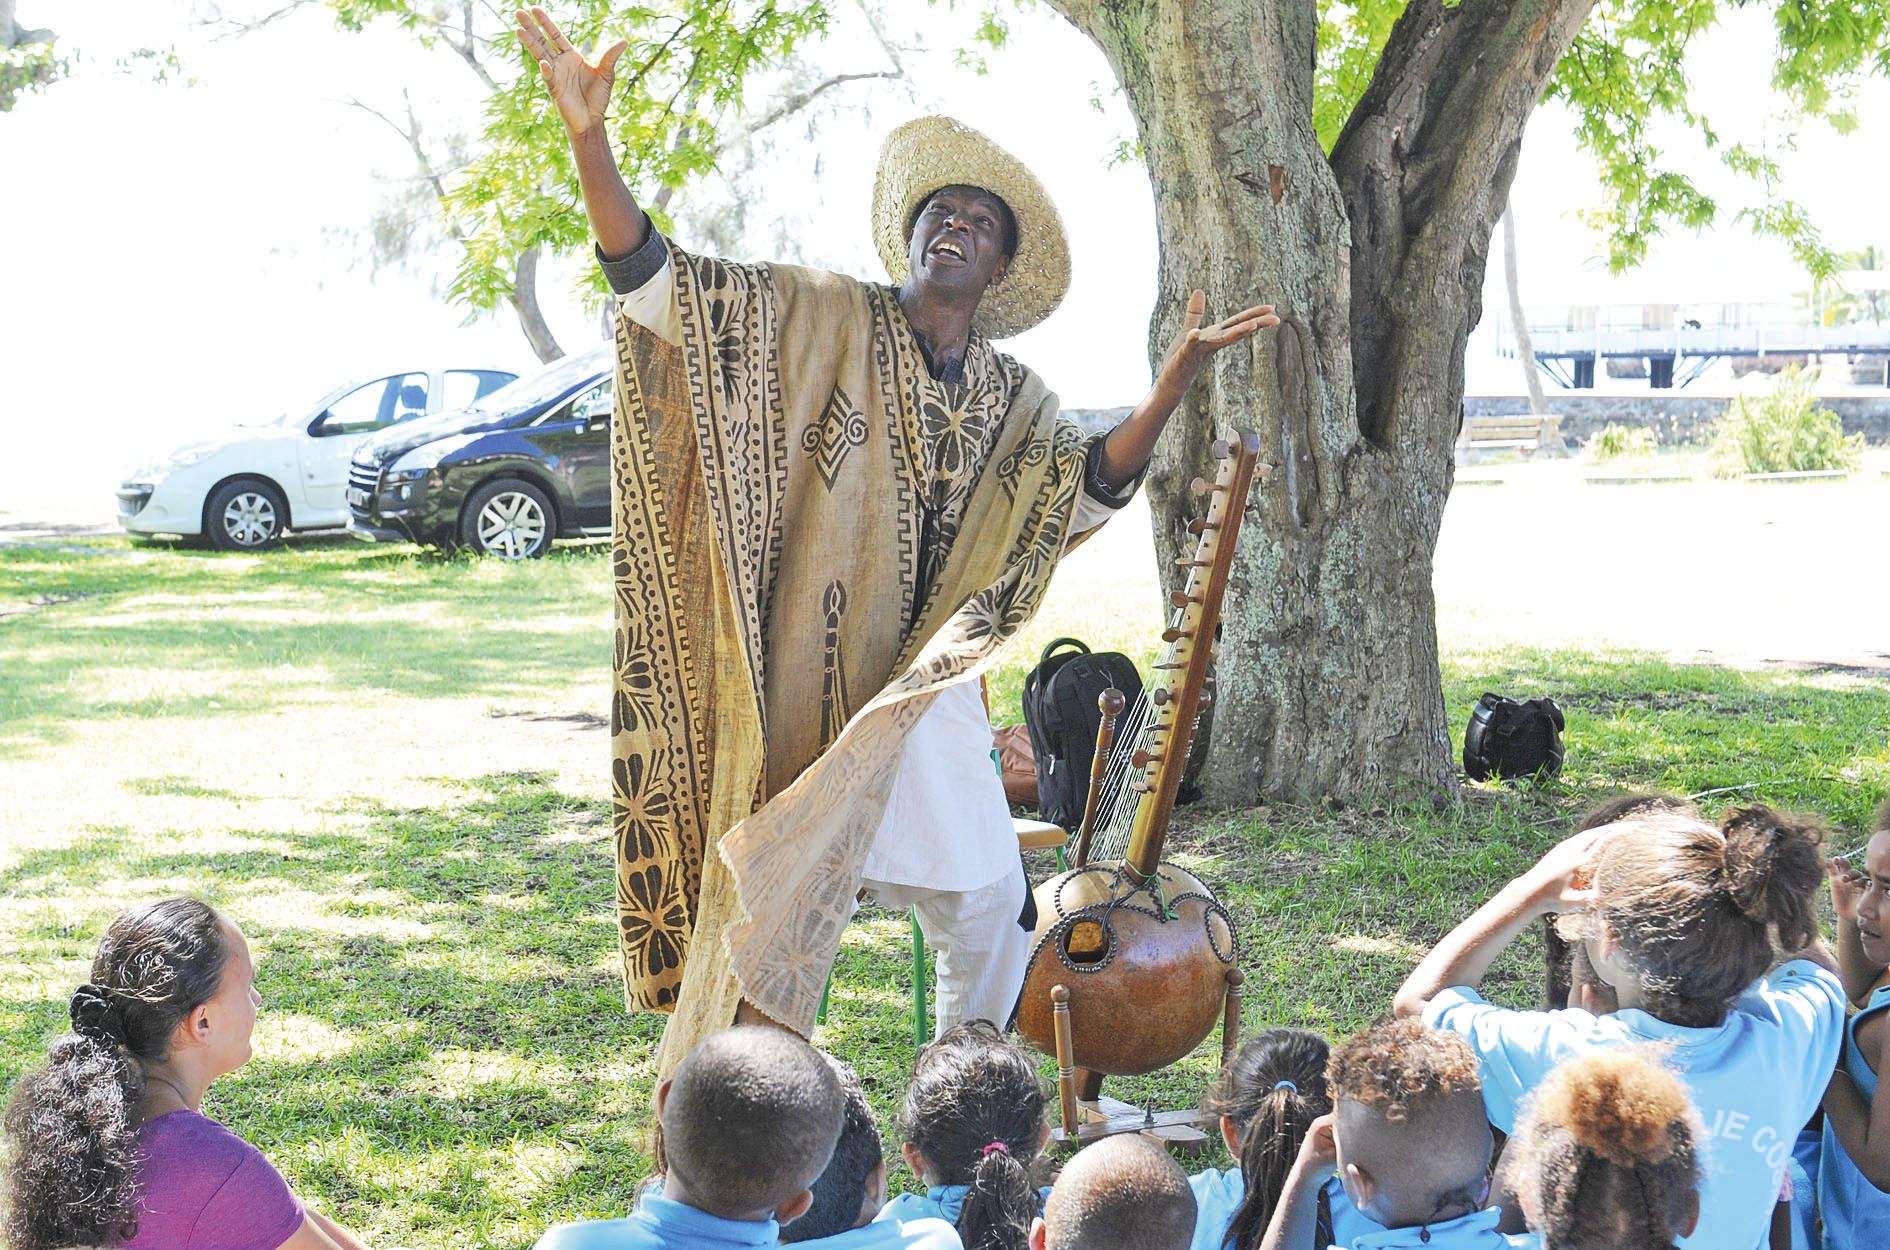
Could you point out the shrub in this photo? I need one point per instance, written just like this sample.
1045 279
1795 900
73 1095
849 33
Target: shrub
1613 441
1784 431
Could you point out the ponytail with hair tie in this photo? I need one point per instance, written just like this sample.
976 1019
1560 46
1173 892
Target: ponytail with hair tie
95 1016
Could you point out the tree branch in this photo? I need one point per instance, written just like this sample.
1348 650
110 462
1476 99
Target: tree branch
411 133
1425 163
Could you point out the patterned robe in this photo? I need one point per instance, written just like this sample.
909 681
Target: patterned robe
813 536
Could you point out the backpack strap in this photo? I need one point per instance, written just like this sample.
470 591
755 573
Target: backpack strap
1057 644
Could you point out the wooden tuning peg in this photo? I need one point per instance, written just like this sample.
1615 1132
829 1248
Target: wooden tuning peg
1161 696
1185 563
1181 599
1142 759
1174 632
1201 525
1223 448
1201 486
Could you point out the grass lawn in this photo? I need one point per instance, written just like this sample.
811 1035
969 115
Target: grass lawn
389 768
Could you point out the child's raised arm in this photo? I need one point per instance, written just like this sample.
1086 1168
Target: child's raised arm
1863 1129
1858 972
1295 1221
1558 882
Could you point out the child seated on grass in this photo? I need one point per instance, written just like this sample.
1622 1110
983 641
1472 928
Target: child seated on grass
1606 1156
749 1120
975 1123
106 1145
852 1189
1410 1142
1121 1192
1680 920
1266 1100
1854 1162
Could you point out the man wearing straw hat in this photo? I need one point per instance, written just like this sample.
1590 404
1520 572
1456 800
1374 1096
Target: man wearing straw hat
834 502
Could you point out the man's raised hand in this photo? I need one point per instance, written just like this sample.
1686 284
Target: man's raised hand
580 90
1196 343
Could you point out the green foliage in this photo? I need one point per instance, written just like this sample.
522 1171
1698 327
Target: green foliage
1351 37
28 67
1613 441
1785 431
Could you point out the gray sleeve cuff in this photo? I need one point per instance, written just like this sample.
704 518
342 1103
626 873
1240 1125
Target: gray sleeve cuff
626 273
1101 491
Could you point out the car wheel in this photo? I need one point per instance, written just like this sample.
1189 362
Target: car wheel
245 515
508 518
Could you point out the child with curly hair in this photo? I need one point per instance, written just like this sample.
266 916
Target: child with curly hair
1266 1099
1607 1155
107 1144
1410 1142
1854 1162
975 1122
1682 922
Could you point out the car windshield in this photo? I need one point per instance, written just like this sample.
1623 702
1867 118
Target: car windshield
537 389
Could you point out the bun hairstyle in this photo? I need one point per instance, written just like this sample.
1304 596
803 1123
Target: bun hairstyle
1700 913
1607 1155
72 1124
976 1110
1273 1090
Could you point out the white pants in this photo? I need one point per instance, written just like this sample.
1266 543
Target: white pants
982 952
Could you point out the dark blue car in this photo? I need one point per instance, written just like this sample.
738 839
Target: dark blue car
524 465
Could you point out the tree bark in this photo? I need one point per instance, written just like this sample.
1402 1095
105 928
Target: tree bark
1329 682
1518 321
524 300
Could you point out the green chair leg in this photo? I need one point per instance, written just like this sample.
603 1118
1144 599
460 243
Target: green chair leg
921 1026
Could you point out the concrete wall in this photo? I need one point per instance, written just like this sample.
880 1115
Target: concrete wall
1674 418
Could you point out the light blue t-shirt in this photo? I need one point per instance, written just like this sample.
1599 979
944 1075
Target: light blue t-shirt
1475 1231
1755 1077
887 1233
1218 1194
660 1224
940 1202
1855 1212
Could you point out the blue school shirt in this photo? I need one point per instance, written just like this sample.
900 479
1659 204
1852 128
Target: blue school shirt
1475 1231
1218 1194
1755 1077
941 1202
660 1224
1855 1212
889 1233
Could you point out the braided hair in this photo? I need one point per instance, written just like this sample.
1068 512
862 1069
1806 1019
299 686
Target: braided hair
976 1110
1273 1090
71 1127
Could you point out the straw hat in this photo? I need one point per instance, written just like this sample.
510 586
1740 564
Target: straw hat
924 155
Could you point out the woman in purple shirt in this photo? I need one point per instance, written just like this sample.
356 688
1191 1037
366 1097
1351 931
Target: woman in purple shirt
107 1146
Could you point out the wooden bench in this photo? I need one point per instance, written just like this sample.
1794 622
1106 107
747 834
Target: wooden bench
1524 433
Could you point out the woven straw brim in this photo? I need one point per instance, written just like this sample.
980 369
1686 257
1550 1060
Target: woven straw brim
924 155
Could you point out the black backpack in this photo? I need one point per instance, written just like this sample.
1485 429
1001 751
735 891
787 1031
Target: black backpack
1510 739
1061 714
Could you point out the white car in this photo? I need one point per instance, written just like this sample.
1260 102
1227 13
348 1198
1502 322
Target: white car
240 492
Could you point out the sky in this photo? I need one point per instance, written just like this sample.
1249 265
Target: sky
182 256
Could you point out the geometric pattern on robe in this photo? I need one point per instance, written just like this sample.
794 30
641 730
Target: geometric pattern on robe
812 536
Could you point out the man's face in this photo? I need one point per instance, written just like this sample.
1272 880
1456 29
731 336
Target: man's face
958 240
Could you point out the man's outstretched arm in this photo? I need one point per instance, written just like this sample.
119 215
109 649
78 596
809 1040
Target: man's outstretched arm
1127 449
582 93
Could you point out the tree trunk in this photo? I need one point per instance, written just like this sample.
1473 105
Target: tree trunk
1525 350
531 319
1329 682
